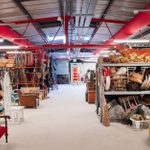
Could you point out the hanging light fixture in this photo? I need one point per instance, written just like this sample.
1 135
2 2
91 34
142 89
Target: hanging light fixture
1 40
18 52
140 10
9 47
131 41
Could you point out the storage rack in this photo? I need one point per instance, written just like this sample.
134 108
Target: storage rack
99 84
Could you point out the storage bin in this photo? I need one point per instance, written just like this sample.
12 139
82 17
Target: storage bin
142 124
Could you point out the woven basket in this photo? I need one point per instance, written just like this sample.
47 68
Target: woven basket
5 61
10 65
2 64
143 124
11 61
119 83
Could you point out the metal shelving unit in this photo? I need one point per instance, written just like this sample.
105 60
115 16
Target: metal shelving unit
127 92
99 77
125 65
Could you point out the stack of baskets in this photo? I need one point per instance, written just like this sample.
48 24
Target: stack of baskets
119 82
7 63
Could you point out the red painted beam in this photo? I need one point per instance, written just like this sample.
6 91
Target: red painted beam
69 17
41 20
66 46
8 34
142 19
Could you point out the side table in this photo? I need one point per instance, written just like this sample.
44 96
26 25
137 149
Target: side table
17 114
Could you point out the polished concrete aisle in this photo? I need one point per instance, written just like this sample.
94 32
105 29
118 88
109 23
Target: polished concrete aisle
65 122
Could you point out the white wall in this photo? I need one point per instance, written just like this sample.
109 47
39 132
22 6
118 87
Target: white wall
62 67
83 67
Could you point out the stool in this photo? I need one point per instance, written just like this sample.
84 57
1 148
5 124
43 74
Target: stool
17 114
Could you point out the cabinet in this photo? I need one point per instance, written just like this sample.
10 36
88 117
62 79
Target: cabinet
100 91
90 92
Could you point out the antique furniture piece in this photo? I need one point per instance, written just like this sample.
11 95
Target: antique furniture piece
4 128
28 100
16 114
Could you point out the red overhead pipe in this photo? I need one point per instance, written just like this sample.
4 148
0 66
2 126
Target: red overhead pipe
8 34
142 19
55 46
68 46
139 21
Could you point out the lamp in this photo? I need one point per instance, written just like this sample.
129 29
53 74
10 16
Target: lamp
132 41
9 47
18 52
140 10
1 40
58 38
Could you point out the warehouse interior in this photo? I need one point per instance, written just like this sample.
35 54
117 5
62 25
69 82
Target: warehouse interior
74 74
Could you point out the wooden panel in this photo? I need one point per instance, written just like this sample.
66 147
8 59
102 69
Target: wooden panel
90 86
91 96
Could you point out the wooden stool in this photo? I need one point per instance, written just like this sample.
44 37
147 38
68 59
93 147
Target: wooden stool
16 114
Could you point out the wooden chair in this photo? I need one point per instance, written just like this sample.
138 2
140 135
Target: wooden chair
4 128
28 100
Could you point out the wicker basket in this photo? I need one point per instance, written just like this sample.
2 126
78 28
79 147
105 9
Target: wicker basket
10 65
2 64
5 61
11 61
142 124
119 83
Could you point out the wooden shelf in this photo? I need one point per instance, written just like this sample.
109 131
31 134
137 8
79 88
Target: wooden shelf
24 67
28 83
125 65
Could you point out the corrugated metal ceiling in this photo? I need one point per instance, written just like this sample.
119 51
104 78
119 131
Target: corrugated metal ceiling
79 29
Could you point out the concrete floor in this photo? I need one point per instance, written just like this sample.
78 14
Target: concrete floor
66 122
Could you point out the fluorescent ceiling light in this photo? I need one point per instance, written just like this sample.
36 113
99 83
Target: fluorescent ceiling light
132 41
67 52
89 60
17 52
9 47
140 10
1 40
58 38
86 38
5 24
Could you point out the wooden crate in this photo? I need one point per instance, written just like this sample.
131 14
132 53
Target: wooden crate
91 96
